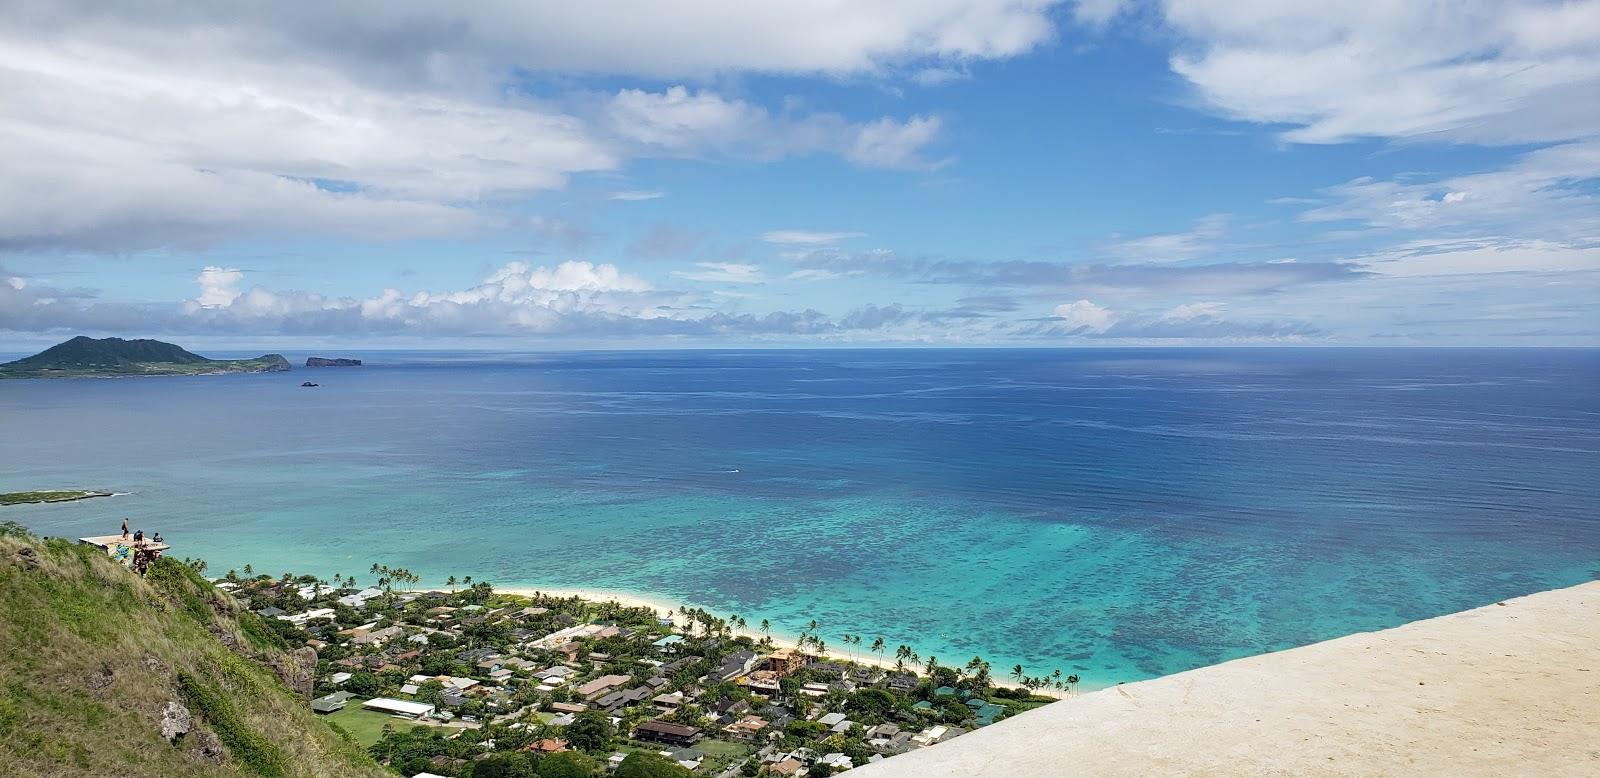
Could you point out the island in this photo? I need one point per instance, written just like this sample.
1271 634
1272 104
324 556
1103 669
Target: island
85 357
25 498
335 362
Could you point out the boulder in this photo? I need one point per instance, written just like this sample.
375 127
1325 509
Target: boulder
176 722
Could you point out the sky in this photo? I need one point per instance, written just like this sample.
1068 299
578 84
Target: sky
722 173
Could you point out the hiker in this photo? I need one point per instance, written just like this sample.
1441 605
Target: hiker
157 537
124 529
138 536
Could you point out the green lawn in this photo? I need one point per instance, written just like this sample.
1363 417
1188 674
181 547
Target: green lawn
366 725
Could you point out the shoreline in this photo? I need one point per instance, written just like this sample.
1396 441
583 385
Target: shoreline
779 640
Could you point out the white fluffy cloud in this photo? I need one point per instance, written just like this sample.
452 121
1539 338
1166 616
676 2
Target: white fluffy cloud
1085 316
1477 71
218 286
180 125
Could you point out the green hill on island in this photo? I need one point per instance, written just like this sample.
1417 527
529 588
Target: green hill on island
85 357
107 673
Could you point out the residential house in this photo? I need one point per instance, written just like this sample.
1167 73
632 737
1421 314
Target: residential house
331 703
734 665
667 732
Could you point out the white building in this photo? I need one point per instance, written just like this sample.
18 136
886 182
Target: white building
401 708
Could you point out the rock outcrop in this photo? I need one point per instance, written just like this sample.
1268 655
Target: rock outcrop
297 669
176 721
334 362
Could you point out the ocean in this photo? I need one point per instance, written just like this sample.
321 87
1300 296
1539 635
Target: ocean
1118 514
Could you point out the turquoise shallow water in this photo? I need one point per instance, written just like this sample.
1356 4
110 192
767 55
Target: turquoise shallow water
1115 514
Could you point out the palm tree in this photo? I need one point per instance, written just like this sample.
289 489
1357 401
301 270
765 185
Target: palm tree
1072 682
877 645
248 570
1016 672
450 582
933 663
766 628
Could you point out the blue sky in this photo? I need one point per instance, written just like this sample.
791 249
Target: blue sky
937 172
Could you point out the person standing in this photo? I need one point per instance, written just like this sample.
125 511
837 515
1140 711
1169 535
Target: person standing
124 529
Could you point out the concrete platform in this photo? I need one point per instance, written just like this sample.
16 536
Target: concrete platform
1511 689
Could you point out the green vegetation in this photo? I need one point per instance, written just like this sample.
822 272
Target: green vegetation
367 727
96 658
22 498
85 357
645 764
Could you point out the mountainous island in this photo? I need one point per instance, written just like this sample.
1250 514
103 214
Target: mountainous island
85 357
334 362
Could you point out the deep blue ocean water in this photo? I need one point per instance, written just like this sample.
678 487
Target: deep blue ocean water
1118 514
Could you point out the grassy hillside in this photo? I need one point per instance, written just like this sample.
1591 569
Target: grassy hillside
94 660
87 357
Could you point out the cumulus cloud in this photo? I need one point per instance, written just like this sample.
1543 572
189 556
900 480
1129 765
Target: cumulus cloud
217 286
399 120
1084 315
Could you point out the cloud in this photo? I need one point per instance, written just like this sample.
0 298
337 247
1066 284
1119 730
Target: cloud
1541 194
637 195
1212 279
217 286
816 274
1193 321
1489 255
723 272
402 121
807 237
1485 71
410 40
1084 316
896 145
1198 241
1098 13
696 123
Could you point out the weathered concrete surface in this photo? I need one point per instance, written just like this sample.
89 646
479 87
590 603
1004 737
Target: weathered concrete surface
1510 689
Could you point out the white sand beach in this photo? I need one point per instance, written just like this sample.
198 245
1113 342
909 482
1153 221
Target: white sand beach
859 655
